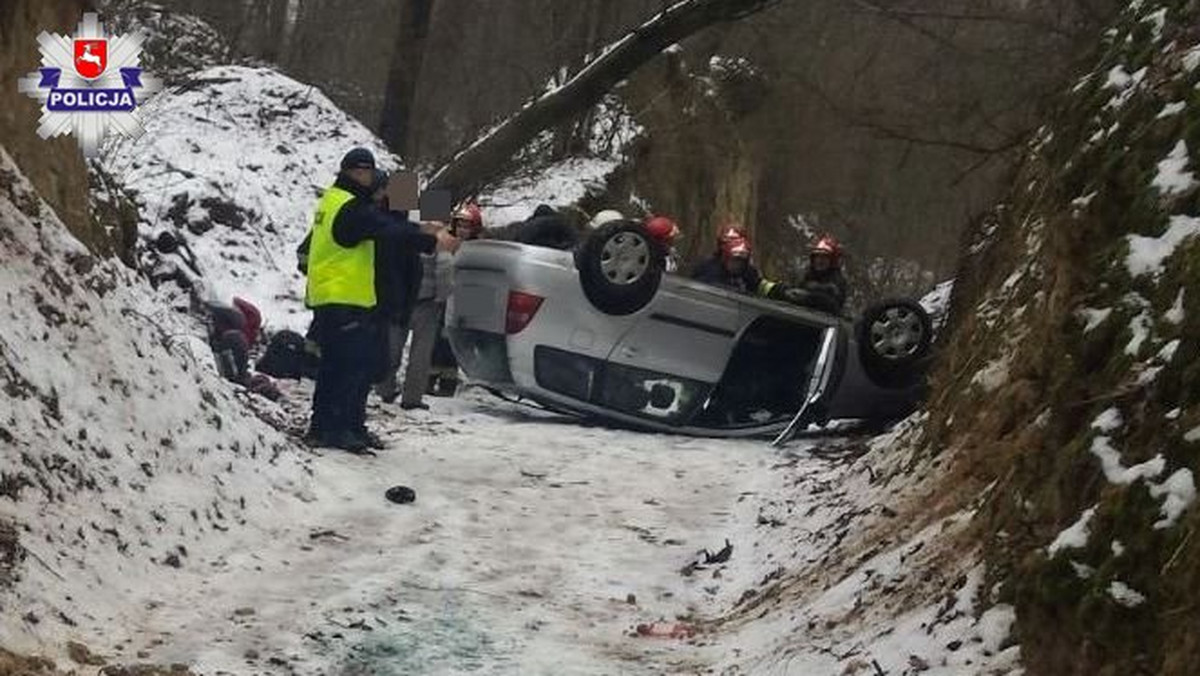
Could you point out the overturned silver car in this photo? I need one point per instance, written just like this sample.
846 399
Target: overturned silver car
602 331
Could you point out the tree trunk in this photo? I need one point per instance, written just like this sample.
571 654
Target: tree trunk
485 158
403 74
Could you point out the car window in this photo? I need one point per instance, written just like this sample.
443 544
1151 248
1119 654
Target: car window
766 377
647 394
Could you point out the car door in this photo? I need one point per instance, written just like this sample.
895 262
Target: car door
664 366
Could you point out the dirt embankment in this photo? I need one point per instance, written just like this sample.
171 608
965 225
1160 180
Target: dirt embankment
1069 382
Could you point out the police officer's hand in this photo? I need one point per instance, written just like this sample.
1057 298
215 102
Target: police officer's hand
446 241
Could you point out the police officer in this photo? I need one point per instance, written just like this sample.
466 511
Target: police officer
342 293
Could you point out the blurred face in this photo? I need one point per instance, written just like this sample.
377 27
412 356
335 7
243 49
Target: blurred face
820 262
362 176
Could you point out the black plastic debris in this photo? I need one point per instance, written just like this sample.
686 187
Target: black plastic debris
401 495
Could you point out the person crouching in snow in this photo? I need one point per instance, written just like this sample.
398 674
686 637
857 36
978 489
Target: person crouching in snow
232 329
665 231
341 289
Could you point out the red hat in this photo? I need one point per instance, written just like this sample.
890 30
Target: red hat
662 229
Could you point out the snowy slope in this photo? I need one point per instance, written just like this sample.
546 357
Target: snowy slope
123 455
235 160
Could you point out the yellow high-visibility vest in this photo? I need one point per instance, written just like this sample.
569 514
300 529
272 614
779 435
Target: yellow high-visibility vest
338 275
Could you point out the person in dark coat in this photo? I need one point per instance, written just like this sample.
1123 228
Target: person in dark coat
823 284
730 266
398 277
342 291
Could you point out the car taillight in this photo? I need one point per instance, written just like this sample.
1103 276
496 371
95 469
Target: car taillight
521 309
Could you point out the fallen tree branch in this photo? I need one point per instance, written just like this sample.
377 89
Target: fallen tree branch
486 157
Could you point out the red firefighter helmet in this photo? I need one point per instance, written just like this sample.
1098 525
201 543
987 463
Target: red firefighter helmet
663 229
470 215
828 246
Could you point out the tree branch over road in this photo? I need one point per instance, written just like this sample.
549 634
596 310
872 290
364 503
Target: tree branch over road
485 158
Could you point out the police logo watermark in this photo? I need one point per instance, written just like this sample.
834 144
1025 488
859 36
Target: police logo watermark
90 85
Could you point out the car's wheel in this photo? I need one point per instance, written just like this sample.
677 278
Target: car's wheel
620 267
894 339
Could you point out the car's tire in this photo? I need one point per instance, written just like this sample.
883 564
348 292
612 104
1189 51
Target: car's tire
620 267
894 339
